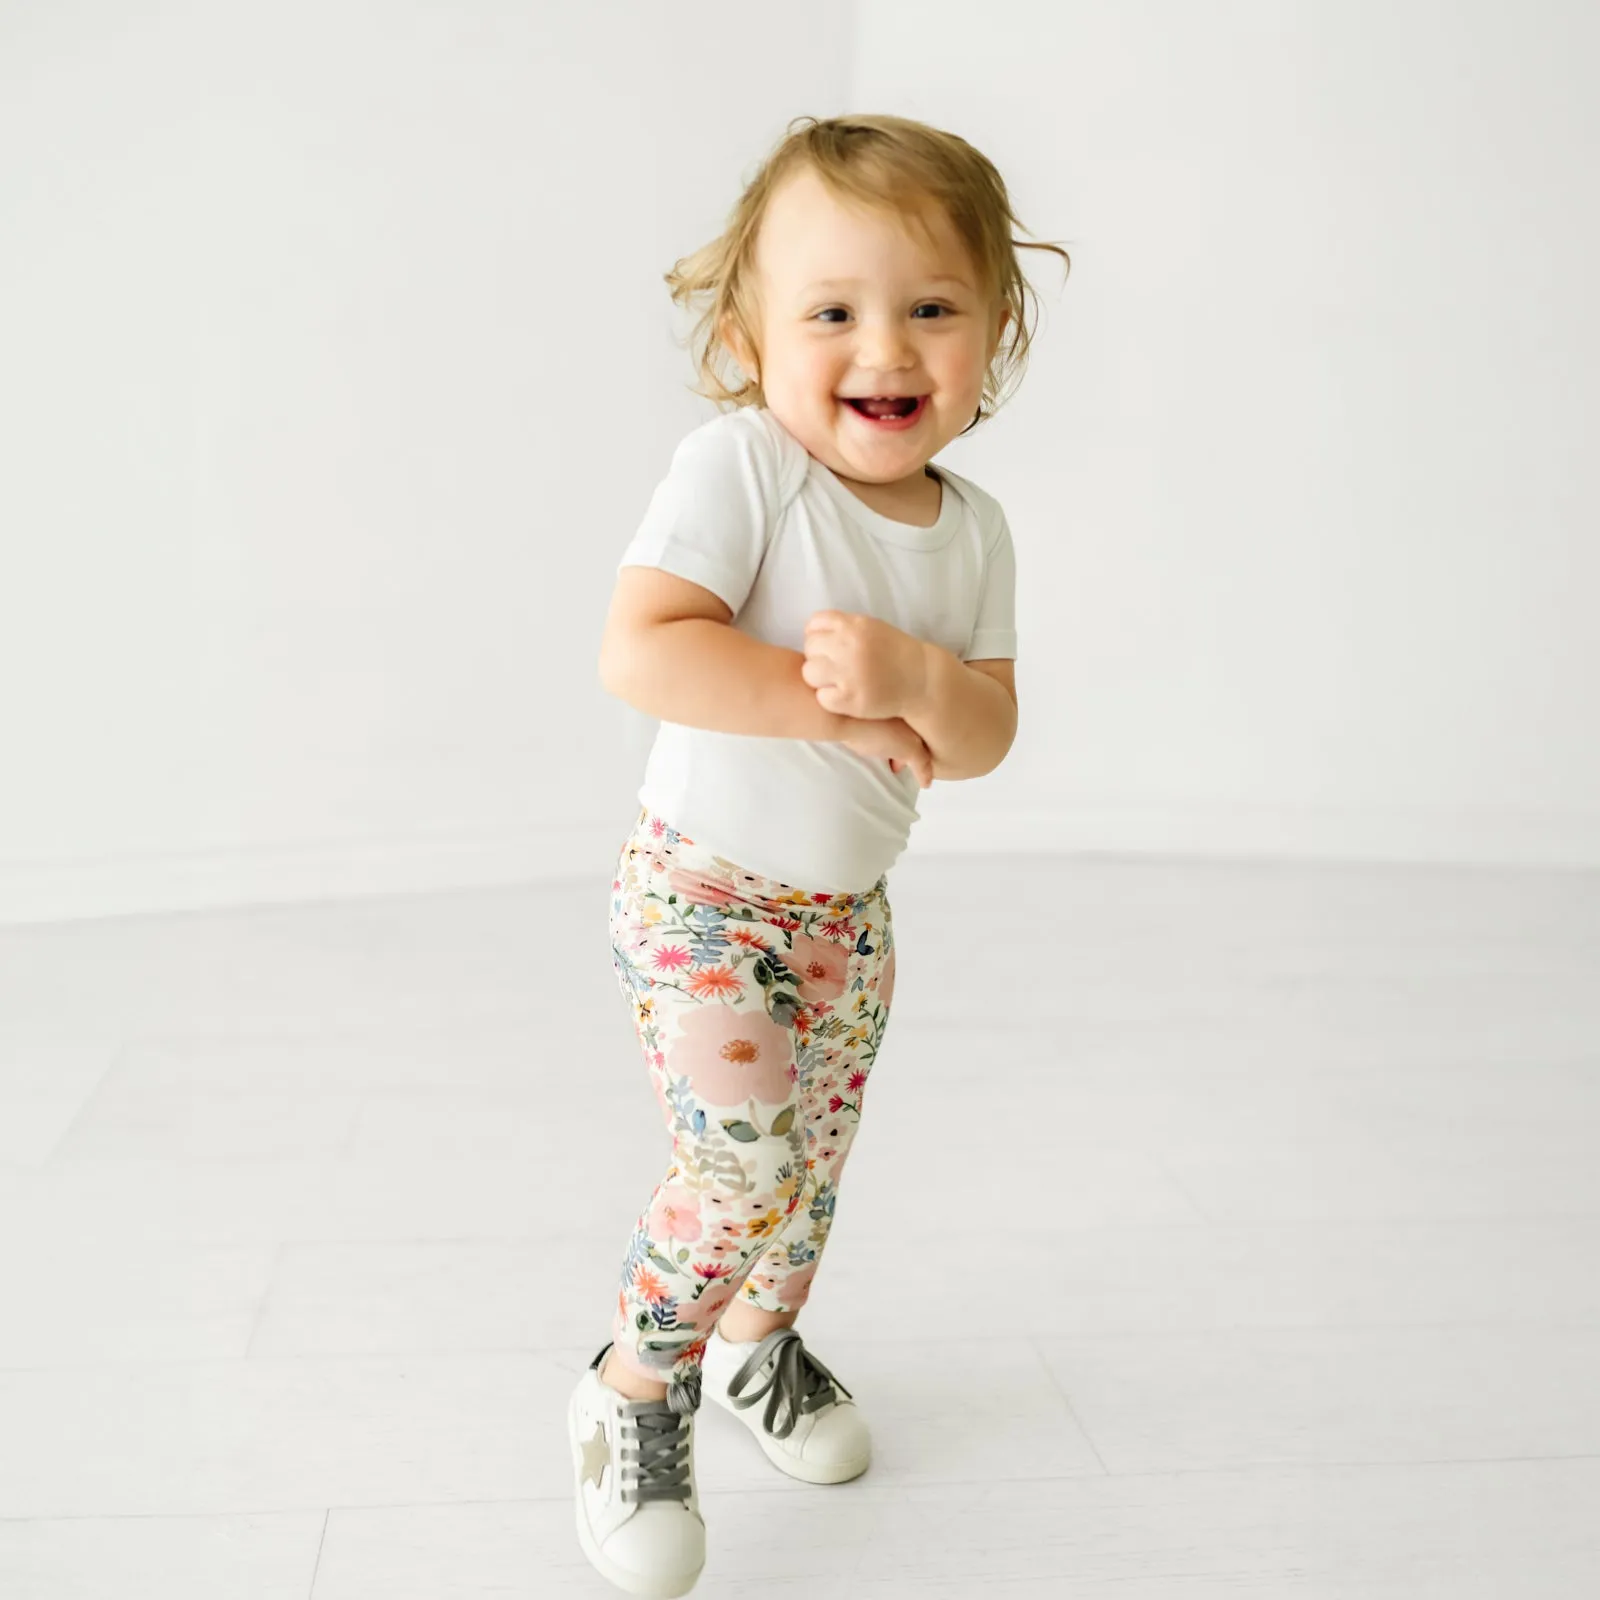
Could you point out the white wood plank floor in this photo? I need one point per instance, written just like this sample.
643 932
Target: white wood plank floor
1213 1230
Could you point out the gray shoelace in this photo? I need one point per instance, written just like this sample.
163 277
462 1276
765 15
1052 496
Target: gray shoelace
658 1469
798 1382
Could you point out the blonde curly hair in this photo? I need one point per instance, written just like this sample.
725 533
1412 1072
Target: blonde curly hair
892 164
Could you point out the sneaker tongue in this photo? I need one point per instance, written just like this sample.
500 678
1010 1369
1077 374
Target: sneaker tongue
887 408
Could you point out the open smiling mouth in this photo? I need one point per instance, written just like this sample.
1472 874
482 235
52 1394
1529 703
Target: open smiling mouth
888 414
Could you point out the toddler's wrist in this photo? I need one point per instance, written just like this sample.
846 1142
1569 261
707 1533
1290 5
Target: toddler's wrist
923 681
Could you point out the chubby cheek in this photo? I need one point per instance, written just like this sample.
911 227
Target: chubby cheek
823 381
808 377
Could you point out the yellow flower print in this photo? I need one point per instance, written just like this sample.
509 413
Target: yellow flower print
757 1226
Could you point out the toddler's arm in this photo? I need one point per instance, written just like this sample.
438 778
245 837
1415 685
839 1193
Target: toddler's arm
670 650
709 674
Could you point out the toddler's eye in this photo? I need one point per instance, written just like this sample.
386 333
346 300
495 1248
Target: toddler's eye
928 305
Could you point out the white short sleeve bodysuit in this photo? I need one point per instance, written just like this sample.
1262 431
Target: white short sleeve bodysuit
746 512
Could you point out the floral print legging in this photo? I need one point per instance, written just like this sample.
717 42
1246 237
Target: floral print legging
760 1008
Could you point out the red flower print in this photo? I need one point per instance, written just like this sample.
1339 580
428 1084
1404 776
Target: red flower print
836 929
753 940
834 1102
648 1284
854 1081
714 981
713 1269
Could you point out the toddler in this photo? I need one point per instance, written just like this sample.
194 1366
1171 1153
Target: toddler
824 623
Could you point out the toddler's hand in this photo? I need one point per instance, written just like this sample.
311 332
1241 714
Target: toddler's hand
894 738
861 666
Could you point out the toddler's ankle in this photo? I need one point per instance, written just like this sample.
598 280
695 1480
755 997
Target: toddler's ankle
629 1383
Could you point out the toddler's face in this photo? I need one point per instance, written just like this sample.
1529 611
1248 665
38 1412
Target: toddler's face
900 317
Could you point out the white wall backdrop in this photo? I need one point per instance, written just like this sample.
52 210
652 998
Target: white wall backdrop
1302 477
336 368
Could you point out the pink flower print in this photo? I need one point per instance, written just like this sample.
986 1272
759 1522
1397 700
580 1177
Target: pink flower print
886 981
820 965
670 957
798 1288
704 1312
752 883
718 1293
730 1055
700 888
674 1214
712 1269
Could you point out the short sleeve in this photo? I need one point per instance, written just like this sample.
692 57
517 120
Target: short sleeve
994 630
709 518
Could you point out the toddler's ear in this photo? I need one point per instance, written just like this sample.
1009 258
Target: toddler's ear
999 332
737 346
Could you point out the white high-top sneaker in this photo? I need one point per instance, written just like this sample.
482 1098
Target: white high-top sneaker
638 1506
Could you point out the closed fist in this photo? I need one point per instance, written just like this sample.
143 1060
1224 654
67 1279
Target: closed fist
861 666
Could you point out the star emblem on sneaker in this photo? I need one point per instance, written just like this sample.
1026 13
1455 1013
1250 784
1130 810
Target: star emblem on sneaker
596 1456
